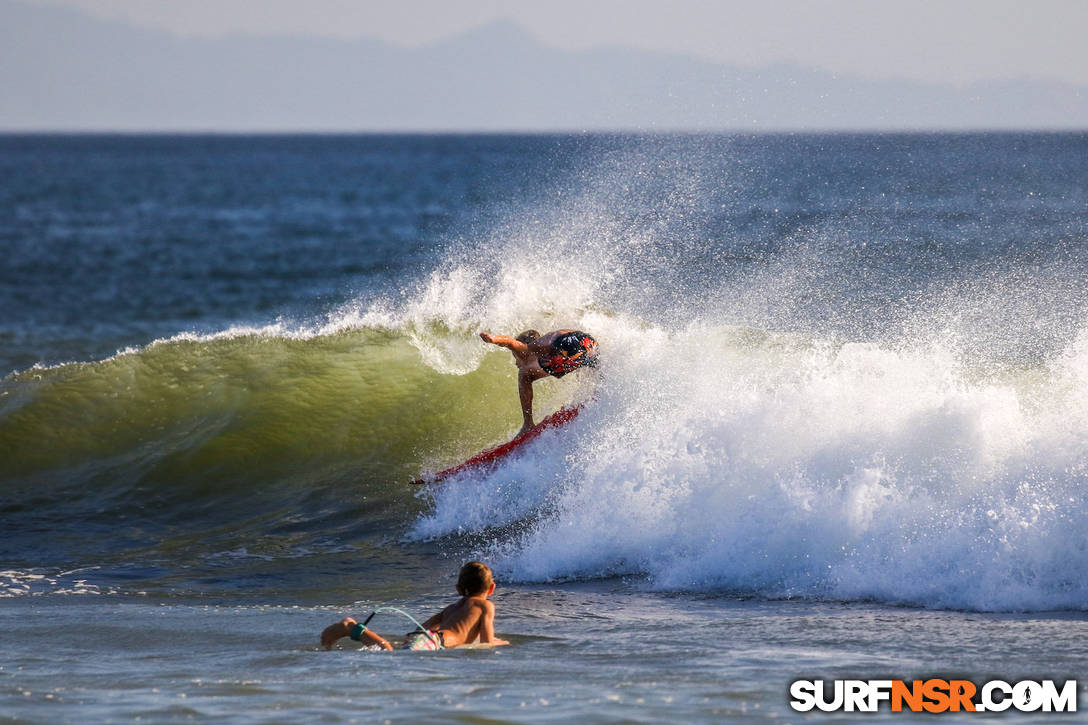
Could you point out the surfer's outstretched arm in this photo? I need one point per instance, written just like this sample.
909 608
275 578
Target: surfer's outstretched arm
515 346
528 371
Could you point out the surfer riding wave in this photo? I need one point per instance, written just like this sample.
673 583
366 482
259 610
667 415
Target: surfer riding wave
538 356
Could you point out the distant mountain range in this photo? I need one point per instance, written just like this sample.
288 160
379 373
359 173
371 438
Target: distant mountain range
63 70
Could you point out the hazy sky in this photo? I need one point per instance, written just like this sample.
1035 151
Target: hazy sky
954 41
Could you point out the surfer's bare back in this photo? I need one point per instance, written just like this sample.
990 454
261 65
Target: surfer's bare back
538 356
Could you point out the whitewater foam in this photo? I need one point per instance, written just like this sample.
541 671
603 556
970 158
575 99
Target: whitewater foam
726 458
41 582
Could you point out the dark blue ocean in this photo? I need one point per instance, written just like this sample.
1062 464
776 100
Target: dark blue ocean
840 428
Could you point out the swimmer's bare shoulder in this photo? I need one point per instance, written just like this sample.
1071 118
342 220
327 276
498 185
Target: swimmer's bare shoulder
470 620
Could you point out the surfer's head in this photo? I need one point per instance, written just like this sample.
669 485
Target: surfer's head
475 579
569 351
528 336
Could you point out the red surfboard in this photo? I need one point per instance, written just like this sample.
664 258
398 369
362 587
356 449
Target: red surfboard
486 460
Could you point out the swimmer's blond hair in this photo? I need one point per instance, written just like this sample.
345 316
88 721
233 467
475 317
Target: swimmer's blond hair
475 579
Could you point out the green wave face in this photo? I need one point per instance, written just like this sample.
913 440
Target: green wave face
231 412
240 460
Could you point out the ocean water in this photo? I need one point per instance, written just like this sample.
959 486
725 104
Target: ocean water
840 429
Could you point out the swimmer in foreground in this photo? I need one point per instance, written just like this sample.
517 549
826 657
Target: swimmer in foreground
538 356
466 621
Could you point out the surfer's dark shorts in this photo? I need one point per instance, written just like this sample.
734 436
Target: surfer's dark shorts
569 352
